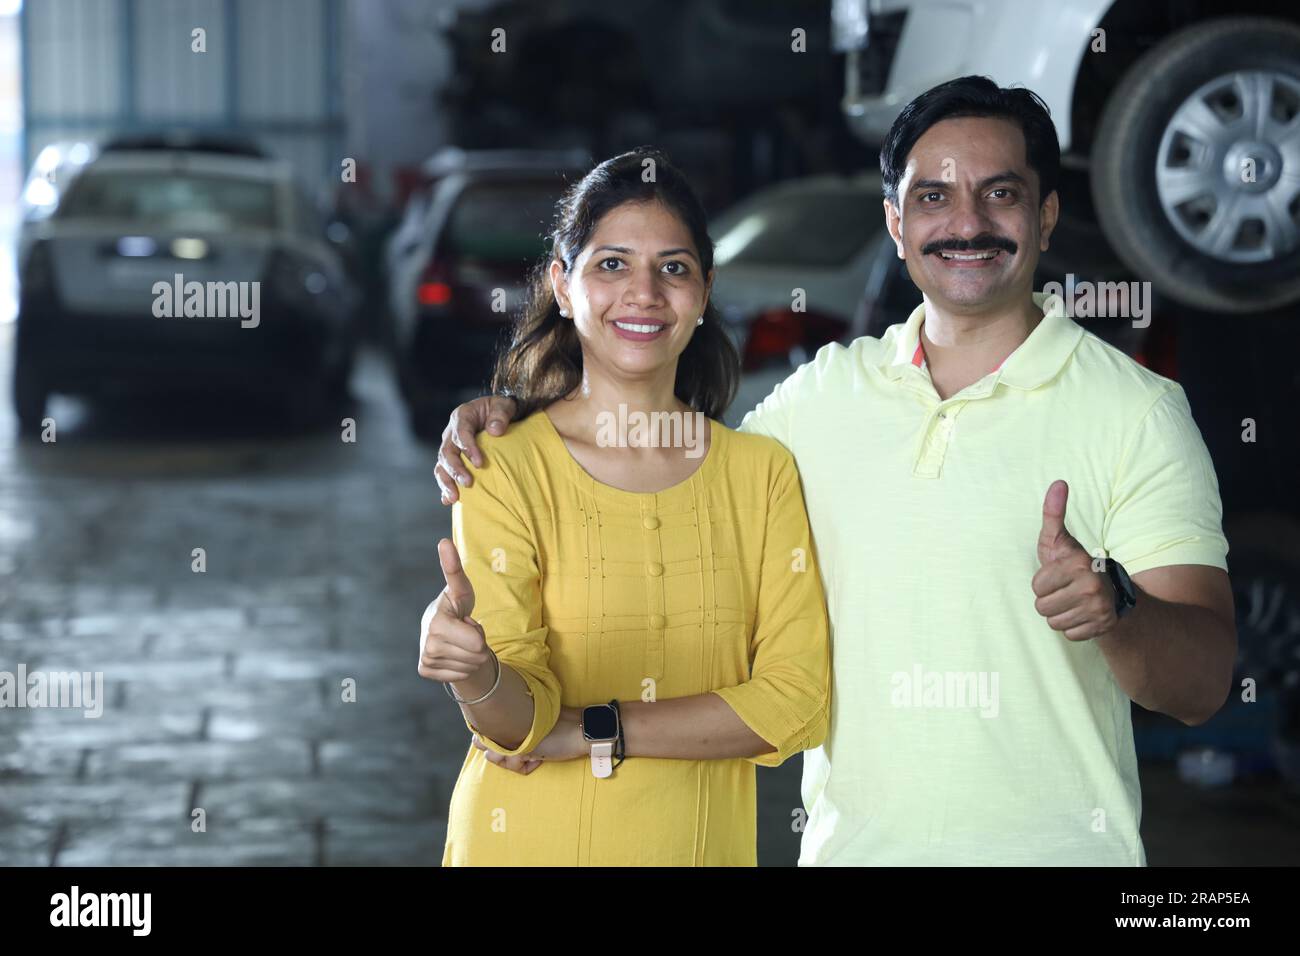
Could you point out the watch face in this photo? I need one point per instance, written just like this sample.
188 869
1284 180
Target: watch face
599 722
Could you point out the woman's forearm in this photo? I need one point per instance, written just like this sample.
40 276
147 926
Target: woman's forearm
507 715
699 727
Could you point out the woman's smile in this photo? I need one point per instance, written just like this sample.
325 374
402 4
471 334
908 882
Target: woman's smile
638 329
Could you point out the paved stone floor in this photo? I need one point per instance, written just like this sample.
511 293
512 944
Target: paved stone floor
223 689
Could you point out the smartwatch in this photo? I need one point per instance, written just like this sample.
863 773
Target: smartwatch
1125 592
600 728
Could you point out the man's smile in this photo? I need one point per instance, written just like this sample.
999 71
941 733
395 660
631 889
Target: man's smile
969 260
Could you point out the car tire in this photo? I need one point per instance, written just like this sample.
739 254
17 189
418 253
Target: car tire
338 386
427 408
1266 598
428 416
303 406
1143 143
30 396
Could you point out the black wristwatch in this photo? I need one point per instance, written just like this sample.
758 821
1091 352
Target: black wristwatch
1125 592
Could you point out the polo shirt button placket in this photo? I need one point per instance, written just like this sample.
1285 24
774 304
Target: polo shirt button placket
937 432
947 419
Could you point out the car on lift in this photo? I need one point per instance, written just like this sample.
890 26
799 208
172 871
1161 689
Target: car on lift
1185 117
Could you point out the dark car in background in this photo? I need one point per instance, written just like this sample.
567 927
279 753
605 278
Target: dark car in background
98 309
458 268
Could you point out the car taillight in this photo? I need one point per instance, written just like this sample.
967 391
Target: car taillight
435 285
776 333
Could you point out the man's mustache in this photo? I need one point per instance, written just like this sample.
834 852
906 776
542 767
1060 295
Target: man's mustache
981 243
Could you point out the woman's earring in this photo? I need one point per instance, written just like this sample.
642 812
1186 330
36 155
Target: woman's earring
700 320
564 313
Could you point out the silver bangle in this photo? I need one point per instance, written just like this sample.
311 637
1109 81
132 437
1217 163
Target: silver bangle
495 684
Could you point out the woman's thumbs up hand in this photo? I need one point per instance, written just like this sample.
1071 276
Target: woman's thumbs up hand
453 649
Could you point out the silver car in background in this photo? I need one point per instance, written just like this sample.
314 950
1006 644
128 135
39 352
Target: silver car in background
107 283
791 263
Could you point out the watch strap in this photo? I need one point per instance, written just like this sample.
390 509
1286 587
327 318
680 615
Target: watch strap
620 747
1125 598
601 752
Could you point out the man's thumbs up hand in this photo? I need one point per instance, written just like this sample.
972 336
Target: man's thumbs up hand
453 648
1053 536
1076 600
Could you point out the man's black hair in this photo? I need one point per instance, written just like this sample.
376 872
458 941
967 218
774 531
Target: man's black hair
974 96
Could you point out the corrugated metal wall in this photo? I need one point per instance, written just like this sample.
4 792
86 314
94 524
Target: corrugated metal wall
271 71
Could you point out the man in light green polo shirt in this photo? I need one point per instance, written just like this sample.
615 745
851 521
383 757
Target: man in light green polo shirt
964 729
1018 529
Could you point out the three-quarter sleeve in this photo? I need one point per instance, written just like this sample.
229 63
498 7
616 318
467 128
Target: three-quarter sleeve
786 701
499 552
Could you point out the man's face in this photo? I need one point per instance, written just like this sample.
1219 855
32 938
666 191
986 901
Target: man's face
968 220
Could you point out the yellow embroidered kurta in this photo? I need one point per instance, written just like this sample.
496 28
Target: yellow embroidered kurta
593 593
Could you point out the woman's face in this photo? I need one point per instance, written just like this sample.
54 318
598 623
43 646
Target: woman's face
635 291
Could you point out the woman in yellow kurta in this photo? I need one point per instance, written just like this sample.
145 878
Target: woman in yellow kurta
681 585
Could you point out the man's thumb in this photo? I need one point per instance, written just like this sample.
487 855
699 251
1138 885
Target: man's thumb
459 589
1053 516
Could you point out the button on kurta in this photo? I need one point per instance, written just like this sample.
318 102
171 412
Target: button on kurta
658 620
655 569
650 522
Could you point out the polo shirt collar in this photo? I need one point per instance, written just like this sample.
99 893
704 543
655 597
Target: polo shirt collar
1039 358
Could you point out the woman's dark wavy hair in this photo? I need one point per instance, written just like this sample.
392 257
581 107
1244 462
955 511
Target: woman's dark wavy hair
543 361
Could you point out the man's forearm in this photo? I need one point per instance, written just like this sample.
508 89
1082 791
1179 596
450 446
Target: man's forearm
699 727
1175 659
